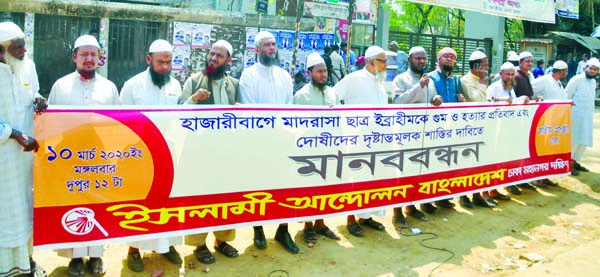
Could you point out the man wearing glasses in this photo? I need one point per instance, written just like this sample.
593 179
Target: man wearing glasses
365 87
523 87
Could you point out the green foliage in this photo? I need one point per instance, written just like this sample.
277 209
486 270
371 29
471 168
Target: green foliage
419 18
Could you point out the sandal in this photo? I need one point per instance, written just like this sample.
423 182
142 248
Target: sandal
95 266
227 250
372 223
76 267
355 229
203 255
36 269
309 235
325 231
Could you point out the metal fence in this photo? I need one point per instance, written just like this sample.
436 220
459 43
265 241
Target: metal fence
433 43
53 43
128 45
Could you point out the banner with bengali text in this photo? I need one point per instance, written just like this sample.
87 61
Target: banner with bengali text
122 174
531 10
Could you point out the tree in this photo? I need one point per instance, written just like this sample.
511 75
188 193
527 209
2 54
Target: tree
419 18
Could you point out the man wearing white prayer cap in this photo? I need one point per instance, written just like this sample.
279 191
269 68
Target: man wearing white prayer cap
154 86
523 87
16 168
212 86
84 88
474 86
473 83
413 86
13 41
550 87
266 83
502 90
317 92
582 90
365 86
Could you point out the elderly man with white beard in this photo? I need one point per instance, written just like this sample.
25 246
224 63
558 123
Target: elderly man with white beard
365 87
16 161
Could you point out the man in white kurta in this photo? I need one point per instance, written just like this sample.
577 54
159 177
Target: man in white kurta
318 93
549 86
84 88
155 86
266 83
365 87
582 90
16 164
411 87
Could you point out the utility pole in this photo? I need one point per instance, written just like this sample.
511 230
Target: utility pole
350 12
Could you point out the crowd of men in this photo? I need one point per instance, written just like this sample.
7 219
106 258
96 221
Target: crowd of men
263 83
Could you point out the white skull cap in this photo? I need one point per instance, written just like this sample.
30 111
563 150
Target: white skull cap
160 45
314 59
86 40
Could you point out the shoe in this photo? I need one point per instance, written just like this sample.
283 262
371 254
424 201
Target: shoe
227 250
481 202
526 186
415 213
36 269
173 256
514 190
355 229
372 223
325 231
284 238
203 255
580 167
429 208
465 202
491 200
574 171
134 262
501 197
445 203
540 184
95 266
76 268
399 220
309 235
550 183
259 238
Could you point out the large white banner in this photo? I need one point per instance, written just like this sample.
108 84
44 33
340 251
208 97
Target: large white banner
531 10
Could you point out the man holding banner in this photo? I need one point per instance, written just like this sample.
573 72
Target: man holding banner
414 86
266 83
449 88
16 167
365 87
317 92
84 88
155 86
212 86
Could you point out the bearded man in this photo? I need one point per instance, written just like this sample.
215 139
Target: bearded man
365 87
155 86
84 88
582 89
266 83
16 167
212 86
